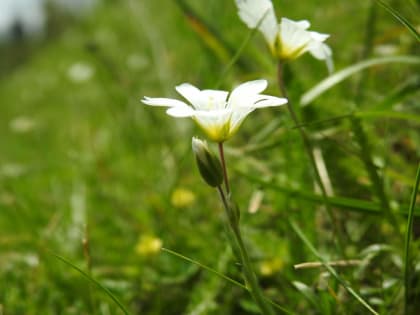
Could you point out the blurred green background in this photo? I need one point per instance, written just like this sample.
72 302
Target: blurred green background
89 173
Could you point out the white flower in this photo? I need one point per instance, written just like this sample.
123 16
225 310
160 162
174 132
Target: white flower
288 39
218 113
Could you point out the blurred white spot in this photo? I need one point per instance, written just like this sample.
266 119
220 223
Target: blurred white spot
22 124
31 260
78 213
255 202
137 62
80 72
386 50
12 170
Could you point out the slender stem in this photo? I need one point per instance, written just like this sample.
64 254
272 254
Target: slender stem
232 213
409 231
309 151
225 176
247 269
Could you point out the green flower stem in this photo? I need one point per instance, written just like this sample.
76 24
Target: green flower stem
222 158
238 246
237 243
309 151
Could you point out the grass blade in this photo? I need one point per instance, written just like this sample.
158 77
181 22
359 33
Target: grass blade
388 114
237 283
408 87
221 275
409 232
210 37
345 203
108 292
240 50
331 270
400 18
343 74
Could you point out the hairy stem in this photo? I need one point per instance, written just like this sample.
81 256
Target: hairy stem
225 176
238 245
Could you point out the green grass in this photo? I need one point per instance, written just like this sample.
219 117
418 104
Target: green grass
85 160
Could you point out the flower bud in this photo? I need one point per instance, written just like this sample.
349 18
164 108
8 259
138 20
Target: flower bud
208 164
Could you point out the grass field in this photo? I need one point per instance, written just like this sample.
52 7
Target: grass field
89 174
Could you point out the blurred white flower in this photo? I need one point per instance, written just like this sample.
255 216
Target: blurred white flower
12 170
80 72
218 113
22 124
288 39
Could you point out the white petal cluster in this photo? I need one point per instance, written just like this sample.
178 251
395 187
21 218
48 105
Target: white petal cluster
288 39
218 113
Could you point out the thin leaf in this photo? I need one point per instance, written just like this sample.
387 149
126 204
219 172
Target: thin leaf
409 232
400 18
331 270
87 276
210 37
352 204
307 293
238 53
410 86
343 74
223 277
388 114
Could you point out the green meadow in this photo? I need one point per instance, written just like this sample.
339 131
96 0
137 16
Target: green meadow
103 209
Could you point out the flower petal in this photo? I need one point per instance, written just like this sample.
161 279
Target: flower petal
319 37
303 24
259 13
244 95
213 99
294 38
322 51
159 101
190 93
269 101
238 117
181 111
215 123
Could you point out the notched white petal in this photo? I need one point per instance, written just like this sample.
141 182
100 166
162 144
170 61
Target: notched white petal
246 94
303 24
189 92
319 37
269 101
181 111
259 13
323 52
249 88
160 101
218 95
320 51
